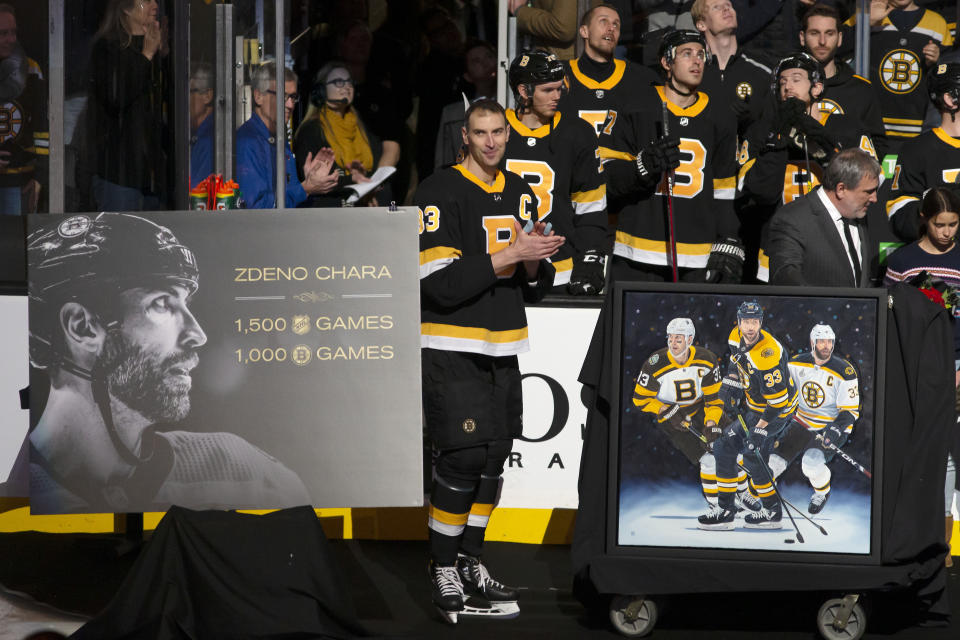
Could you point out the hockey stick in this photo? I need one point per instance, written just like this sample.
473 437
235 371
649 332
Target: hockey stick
745 470
843 454
673 236
773 484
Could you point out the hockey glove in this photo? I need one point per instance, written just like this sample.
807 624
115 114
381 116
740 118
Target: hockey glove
675 418
711 432
725 263
835 435
670 152
660 155
741 110
587 276
789 113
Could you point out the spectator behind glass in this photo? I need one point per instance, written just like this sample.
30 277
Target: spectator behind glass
256 153
25 141
438 78
332 121
125 140
552 24
201 122
479 79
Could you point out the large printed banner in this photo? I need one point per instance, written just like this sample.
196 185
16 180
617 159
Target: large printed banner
544 466
13 377
245 360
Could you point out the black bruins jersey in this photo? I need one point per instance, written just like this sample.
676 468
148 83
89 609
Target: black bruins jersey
704 186
852 95
465 305
695 383
898 70
561 163
23 129
930 160
829 392
775 177
599 92
744 80
764 373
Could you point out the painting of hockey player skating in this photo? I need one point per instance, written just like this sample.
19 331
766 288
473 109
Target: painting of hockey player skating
747 421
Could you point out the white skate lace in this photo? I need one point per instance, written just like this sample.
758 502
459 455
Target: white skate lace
715 511
818 498
765 514
448 581
484 578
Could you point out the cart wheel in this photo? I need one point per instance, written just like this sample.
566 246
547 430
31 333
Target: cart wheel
633 616
830 621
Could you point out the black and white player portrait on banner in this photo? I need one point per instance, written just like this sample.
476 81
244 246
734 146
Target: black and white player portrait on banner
164 373
747 421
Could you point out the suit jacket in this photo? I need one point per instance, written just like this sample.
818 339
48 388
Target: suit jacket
805 248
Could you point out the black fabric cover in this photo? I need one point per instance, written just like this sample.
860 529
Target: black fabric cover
220 574
918 425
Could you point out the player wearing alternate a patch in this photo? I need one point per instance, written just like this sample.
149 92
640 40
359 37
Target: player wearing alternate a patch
671 169
557 154
829 407
731 77
482 256
843 91
903 47
784 155
931 159
767 406
599 87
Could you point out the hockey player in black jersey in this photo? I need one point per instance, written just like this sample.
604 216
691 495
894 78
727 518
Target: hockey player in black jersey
843 91
768 403
557 154
731 77
905 44
785 153
112 327
671 173
929 160
483 253
599 87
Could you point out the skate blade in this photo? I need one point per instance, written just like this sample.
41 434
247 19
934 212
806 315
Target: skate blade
475 608
765 525
723 526
450 617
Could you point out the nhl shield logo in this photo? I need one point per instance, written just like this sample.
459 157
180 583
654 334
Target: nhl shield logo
469 425
531 142
684 121
599 94
301 324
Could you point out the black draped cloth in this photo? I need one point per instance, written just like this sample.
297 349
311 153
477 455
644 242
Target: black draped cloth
220 574
918 430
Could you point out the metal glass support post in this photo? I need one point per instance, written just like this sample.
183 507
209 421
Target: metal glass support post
57 89
223 114
503 61
862 45
180 111
281 135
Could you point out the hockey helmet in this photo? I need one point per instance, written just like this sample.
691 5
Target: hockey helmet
945 79
676 37
68 258
822 332
533 67
750 309
801 60
681 326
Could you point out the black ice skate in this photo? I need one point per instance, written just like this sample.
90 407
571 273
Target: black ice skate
746 501
447 591
718 519
818 501
477 581
764 519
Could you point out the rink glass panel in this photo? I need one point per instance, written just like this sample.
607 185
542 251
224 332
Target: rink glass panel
655 490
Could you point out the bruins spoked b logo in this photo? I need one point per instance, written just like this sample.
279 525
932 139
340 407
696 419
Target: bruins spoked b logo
900 71
813 394
469 425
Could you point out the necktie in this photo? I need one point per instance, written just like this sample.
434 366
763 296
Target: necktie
851 249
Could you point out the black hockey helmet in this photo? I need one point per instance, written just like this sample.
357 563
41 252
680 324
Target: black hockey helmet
944 79
68 258
750 309
801 60
533 67
676 37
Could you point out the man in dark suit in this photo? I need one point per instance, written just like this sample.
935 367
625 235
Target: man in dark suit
819 239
